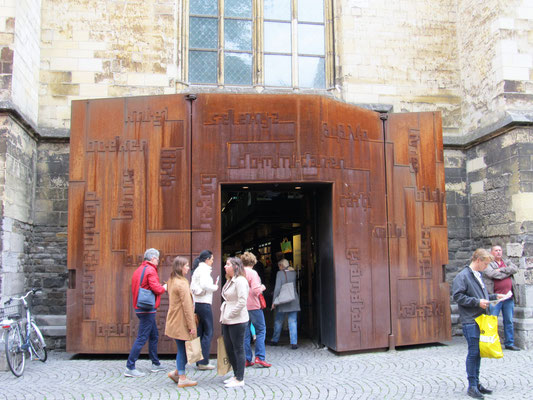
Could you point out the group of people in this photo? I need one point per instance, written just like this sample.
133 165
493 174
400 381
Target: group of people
488 277
190 314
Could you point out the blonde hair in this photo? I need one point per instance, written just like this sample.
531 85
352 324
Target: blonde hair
283 263
482 255
248 259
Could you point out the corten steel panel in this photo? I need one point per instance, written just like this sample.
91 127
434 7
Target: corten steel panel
351 140
129 190
143 176
417 232
273 138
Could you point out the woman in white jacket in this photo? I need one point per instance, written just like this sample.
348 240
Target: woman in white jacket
202 288
234 318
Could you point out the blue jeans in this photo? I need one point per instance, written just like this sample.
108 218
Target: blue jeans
204 329
507 308
293 327
147 331
258 319
473 359
181 356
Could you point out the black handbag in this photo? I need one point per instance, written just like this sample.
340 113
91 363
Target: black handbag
145 297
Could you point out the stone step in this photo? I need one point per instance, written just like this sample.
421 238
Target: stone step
52 325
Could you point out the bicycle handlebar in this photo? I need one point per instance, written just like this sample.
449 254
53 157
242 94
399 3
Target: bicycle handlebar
32 291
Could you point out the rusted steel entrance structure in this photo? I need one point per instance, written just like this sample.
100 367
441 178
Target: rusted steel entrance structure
148 171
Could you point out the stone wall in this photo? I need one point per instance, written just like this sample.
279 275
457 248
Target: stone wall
7 39
490 201
457 211
500 178
26 59
496 59
107 49
401 53
18 154
48 252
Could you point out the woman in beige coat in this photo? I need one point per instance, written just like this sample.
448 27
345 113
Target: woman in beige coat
180 318
234 318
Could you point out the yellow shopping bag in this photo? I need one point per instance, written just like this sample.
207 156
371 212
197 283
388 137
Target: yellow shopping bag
489 341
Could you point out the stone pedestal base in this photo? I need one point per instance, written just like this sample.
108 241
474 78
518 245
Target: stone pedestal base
523 327
3 361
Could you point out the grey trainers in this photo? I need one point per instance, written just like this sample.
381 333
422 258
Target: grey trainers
157 368
133 373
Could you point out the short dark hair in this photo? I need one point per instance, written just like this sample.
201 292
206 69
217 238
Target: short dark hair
204 255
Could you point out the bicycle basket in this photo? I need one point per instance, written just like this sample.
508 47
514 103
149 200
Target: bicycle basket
11 312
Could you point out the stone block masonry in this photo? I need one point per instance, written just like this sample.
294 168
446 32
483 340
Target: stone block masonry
460 246
18 153
501 212
47 254
33 205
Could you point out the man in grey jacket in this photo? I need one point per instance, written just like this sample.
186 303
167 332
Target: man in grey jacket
499 279
472 299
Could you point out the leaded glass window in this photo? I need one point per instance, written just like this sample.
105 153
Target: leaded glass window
273 43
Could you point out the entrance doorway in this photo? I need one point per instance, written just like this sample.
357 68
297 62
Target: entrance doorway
259 218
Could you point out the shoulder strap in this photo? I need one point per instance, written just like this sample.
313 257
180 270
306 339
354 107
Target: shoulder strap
286 279
142 275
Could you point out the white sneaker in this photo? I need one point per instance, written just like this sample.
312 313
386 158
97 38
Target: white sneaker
133 373
234 383
229 380
205 367
183 383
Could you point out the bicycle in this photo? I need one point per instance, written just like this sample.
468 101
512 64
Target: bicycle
21 336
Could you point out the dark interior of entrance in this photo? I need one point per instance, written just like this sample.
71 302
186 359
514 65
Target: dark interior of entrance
259 218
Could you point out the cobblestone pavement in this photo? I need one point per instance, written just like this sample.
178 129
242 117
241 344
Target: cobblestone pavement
422 372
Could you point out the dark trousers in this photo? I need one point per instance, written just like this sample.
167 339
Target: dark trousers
473 359
147 331
234 342
204 329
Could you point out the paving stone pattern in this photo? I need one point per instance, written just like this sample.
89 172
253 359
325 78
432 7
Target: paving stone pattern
425 372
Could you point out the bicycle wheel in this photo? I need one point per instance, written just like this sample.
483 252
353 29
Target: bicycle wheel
37 343
16 357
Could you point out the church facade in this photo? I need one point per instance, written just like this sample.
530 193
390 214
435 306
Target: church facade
471 62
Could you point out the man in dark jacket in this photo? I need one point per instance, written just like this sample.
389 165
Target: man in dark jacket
147 325
499 279
472 299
